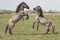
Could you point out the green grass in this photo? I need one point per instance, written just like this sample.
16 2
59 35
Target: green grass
23 29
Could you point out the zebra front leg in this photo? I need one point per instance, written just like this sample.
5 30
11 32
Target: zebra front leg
37 25
34 24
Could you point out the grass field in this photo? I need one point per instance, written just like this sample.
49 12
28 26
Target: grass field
23 29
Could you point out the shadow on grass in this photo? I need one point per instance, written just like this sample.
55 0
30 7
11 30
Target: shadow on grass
35 34
56 33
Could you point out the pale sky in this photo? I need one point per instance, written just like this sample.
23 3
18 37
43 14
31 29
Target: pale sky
45 4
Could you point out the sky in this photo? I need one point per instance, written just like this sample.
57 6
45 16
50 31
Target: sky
46 5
